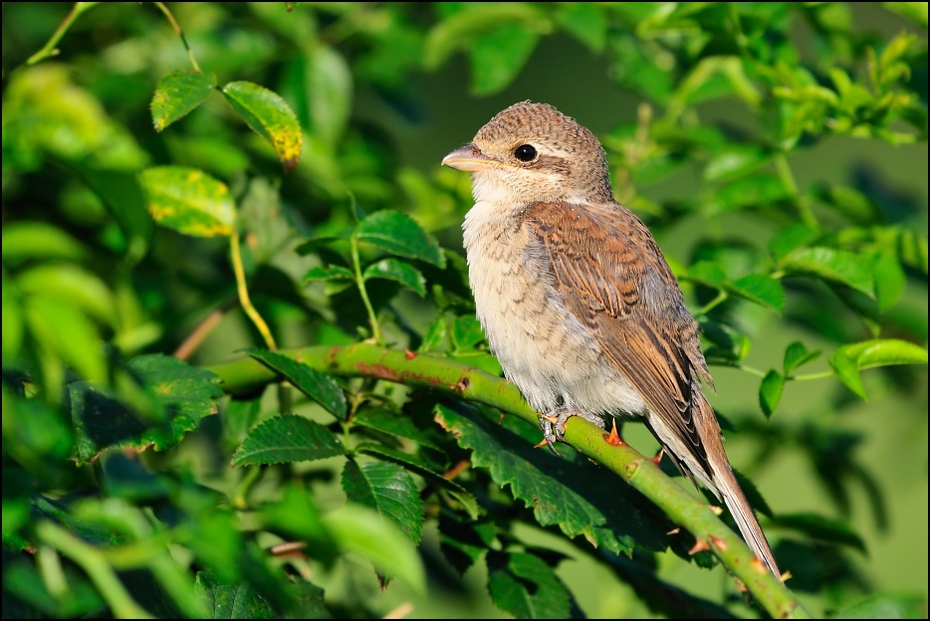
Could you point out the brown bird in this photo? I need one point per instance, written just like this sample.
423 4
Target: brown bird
577 301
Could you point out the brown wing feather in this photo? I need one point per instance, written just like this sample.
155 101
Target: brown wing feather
602 257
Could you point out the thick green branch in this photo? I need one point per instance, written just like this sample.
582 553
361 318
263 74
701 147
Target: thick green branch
443 375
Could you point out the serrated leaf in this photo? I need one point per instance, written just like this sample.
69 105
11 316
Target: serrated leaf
822 528
832 264
361 531
177 94
270 117
320 387
770 392
399 234
435 336
328 272
287 438
388 489
761 289
184 393
415 464
398 271
796 355
230 601
523 585
189 201
569 492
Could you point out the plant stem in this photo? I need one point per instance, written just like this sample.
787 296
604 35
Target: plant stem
50 49
244 300
177 29
360 283
787 177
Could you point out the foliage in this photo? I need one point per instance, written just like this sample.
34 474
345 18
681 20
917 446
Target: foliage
248 182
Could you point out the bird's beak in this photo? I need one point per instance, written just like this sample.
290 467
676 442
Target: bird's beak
470 159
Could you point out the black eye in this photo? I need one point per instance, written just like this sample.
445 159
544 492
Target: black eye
525 153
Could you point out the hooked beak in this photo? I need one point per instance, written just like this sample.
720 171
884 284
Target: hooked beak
469 159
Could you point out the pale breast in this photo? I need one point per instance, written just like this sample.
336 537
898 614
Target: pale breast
542 348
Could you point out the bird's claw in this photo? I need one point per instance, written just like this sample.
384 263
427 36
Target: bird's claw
553 428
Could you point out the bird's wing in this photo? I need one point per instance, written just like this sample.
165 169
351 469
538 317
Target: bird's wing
613 278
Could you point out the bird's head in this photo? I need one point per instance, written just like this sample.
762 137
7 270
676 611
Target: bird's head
531 152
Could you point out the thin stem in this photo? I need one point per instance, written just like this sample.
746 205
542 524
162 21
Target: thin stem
203 329
91 560
50 49
360 283
240 497
787 177
177 29
244 300
717 301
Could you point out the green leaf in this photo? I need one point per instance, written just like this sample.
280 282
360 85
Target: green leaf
464 539
789 238
523 585
399 234
586 21
27 240
329 272
761 289
310 246
890 280
287 438
770 392
270 117
177 94
850 202
388 489
498 55
13 323
417 465
63 331
466 333
361 531
569 492
848 371
832 264
230 601
735 160
796 355
459 30
71 285
125 198
435 336
296 515
189 201
399 425
321 388
757 190
884 352
398 271
183 394
329 93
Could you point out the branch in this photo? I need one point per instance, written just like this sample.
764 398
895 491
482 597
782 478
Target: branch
453 378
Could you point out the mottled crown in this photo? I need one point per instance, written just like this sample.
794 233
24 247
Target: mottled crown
566 147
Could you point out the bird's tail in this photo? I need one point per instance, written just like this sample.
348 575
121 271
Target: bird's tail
722 477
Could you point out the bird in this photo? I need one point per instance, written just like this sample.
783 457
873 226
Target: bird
577 300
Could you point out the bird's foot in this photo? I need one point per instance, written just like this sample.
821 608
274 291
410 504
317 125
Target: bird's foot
553 426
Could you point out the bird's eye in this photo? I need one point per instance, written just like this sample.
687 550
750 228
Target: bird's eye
525 153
